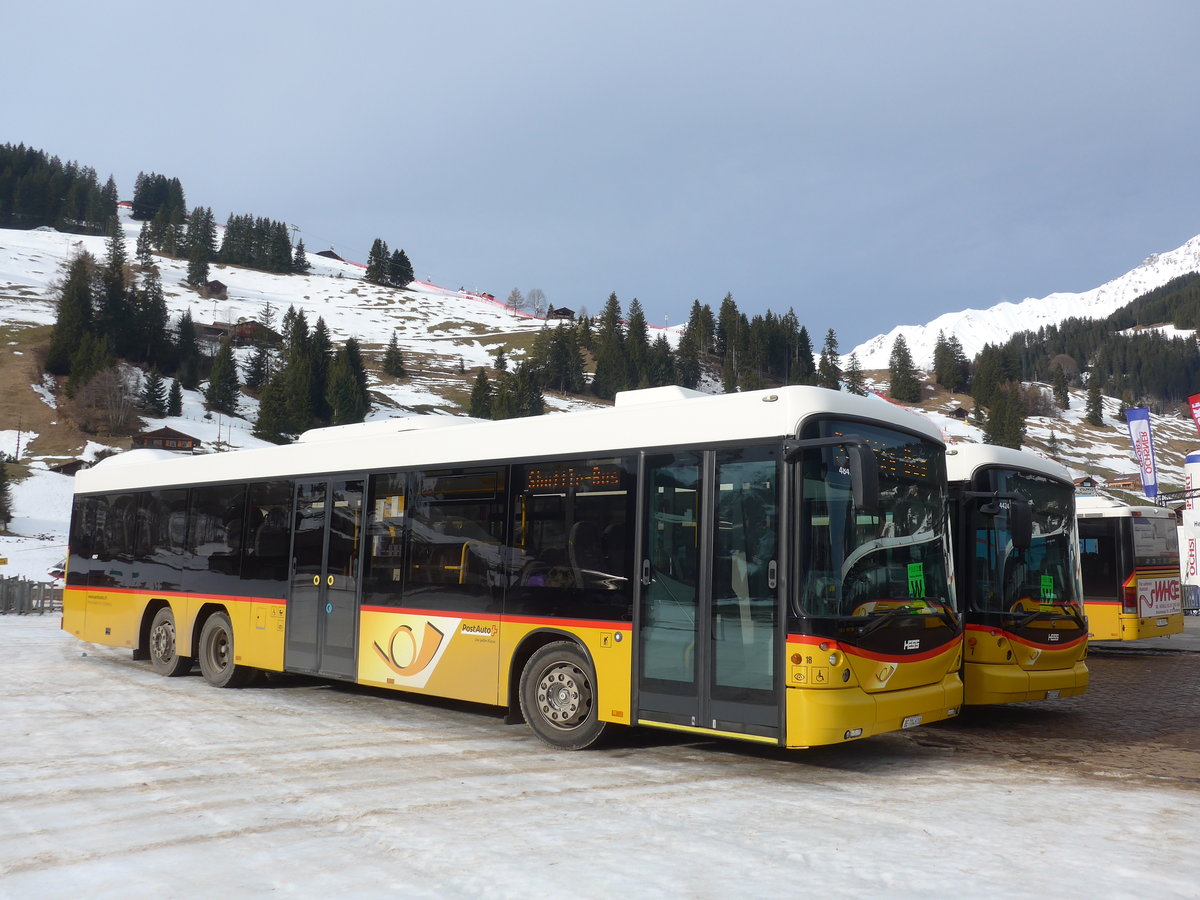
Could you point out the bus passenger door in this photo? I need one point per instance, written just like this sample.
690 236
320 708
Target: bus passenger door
708 611
322 622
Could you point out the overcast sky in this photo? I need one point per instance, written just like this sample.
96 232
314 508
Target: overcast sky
869 164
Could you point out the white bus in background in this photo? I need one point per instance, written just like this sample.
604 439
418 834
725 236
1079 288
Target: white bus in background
1189 537
1131 574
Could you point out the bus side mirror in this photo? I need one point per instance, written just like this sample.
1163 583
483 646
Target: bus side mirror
1020 523
864 476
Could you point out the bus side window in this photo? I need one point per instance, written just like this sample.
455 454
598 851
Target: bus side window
570 525
268 536
383 572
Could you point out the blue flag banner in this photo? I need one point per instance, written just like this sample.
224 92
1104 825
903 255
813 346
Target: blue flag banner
1143 448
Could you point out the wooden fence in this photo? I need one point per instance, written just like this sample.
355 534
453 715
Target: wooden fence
22 597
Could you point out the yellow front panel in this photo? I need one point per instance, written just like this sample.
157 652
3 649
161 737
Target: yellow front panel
1007 683
999 668
834 692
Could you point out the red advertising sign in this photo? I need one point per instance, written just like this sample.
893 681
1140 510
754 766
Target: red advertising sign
1194 404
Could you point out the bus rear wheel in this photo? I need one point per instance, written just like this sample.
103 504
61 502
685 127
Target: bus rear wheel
164 648
216 654
558 697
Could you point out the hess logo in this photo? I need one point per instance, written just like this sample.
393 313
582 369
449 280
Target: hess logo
405 655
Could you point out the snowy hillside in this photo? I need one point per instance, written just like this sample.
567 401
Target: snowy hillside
429 320
976 327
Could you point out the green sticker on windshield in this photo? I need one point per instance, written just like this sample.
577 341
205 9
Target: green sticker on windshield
916 580
1047 587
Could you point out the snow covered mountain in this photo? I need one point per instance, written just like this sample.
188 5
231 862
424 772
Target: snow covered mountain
976 327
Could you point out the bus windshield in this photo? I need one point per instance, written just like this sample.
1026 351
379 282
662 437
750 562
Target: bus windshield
1041 577
1155 541
869 562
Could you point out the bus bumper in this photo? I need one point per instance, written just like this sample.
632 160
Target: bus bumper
817 716
986 685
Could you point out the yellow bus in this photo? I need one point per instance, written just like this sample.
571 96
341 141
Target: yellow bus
1130 559
770 566
1016 557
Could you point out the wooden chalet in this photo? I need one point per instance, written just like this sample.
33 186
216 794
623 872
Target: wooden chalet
166 439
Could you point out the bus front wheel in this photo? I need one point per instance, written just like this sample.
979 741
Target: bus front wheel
216 654
558 697
164 650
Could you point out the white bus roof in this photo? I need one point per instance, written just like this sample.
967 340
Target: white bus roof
963 460
1095 506
657 417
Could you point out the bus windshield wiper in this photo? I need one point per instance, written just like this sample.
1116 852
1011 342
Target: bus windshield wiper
1026 619
1048 613
876 623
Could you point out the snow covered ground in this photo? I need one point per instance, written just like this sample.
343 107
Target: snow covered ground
117 782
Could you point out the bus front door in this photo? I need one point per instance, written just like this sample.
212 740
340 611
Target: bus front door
322 622
708 612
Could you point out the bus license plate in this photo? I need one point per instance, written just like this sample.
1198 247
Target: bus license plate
1052 695
911 721
1161 623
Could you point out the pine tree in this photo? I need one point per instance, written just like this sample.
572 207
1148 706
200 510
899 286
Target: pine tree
114 313
175 399
1006 418
399 269
320 354
151 320
1094 414
377 263
637 346
855 382
344 393
959 374
662 363
1059 382
197 269
687 359
93 355
154 395
829 373
187 352
74 314
1053 447
145 247
222 392
272 423
804 369
481 397
258 368
393 359
611 369
501 364
300 263
905 386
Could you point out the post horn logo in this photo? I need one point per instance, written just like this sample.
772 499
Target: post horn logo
403 645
